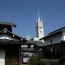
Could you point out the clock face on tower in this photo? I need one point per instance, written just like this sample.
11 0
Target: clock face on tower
40 27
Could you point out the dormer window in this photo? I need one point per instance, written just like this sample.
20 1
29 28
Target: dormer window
6 26
5 29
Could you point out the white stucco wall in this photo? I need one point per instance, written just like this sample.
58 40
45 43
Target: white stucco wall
53 39
63 35
2 57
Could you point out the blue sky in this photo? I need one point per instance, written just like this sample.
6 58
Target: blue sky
25 13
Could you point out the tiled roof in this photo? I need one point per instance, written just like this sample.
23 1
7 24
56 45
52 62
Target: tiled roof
13 35
38 43
7 23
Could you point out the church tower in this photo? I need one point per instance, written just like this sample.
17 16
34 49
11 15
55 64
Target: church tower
39 28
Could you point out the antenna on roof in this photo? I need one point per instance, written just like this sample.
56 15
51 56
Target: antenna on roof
13 18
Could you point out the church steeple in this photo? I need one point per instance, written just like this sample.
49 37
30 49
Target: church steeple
39 27
38 17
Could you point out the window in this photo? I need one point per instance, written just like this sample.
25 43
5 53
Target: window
40 27
40 31
51 41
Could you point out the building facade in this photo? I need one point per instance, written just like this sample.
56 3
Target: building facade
54 44
10 45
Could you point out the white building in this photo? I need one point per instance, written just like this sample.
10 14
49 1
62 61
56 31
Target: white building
39 28
55 37
54 44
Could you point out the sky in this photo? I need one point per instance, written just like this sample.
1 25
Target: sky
24 13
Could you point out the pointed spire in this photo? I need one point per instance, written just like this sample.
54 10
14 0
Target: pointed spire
38 13
39 27
38 18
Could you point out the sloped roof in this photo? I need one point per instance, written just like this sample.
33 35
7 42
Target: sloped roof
17 38
37 43
6 41
54 32
8 23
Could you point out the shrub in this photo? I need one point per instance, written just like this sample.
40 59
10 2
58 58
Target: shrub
41 63
33 60
62 58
